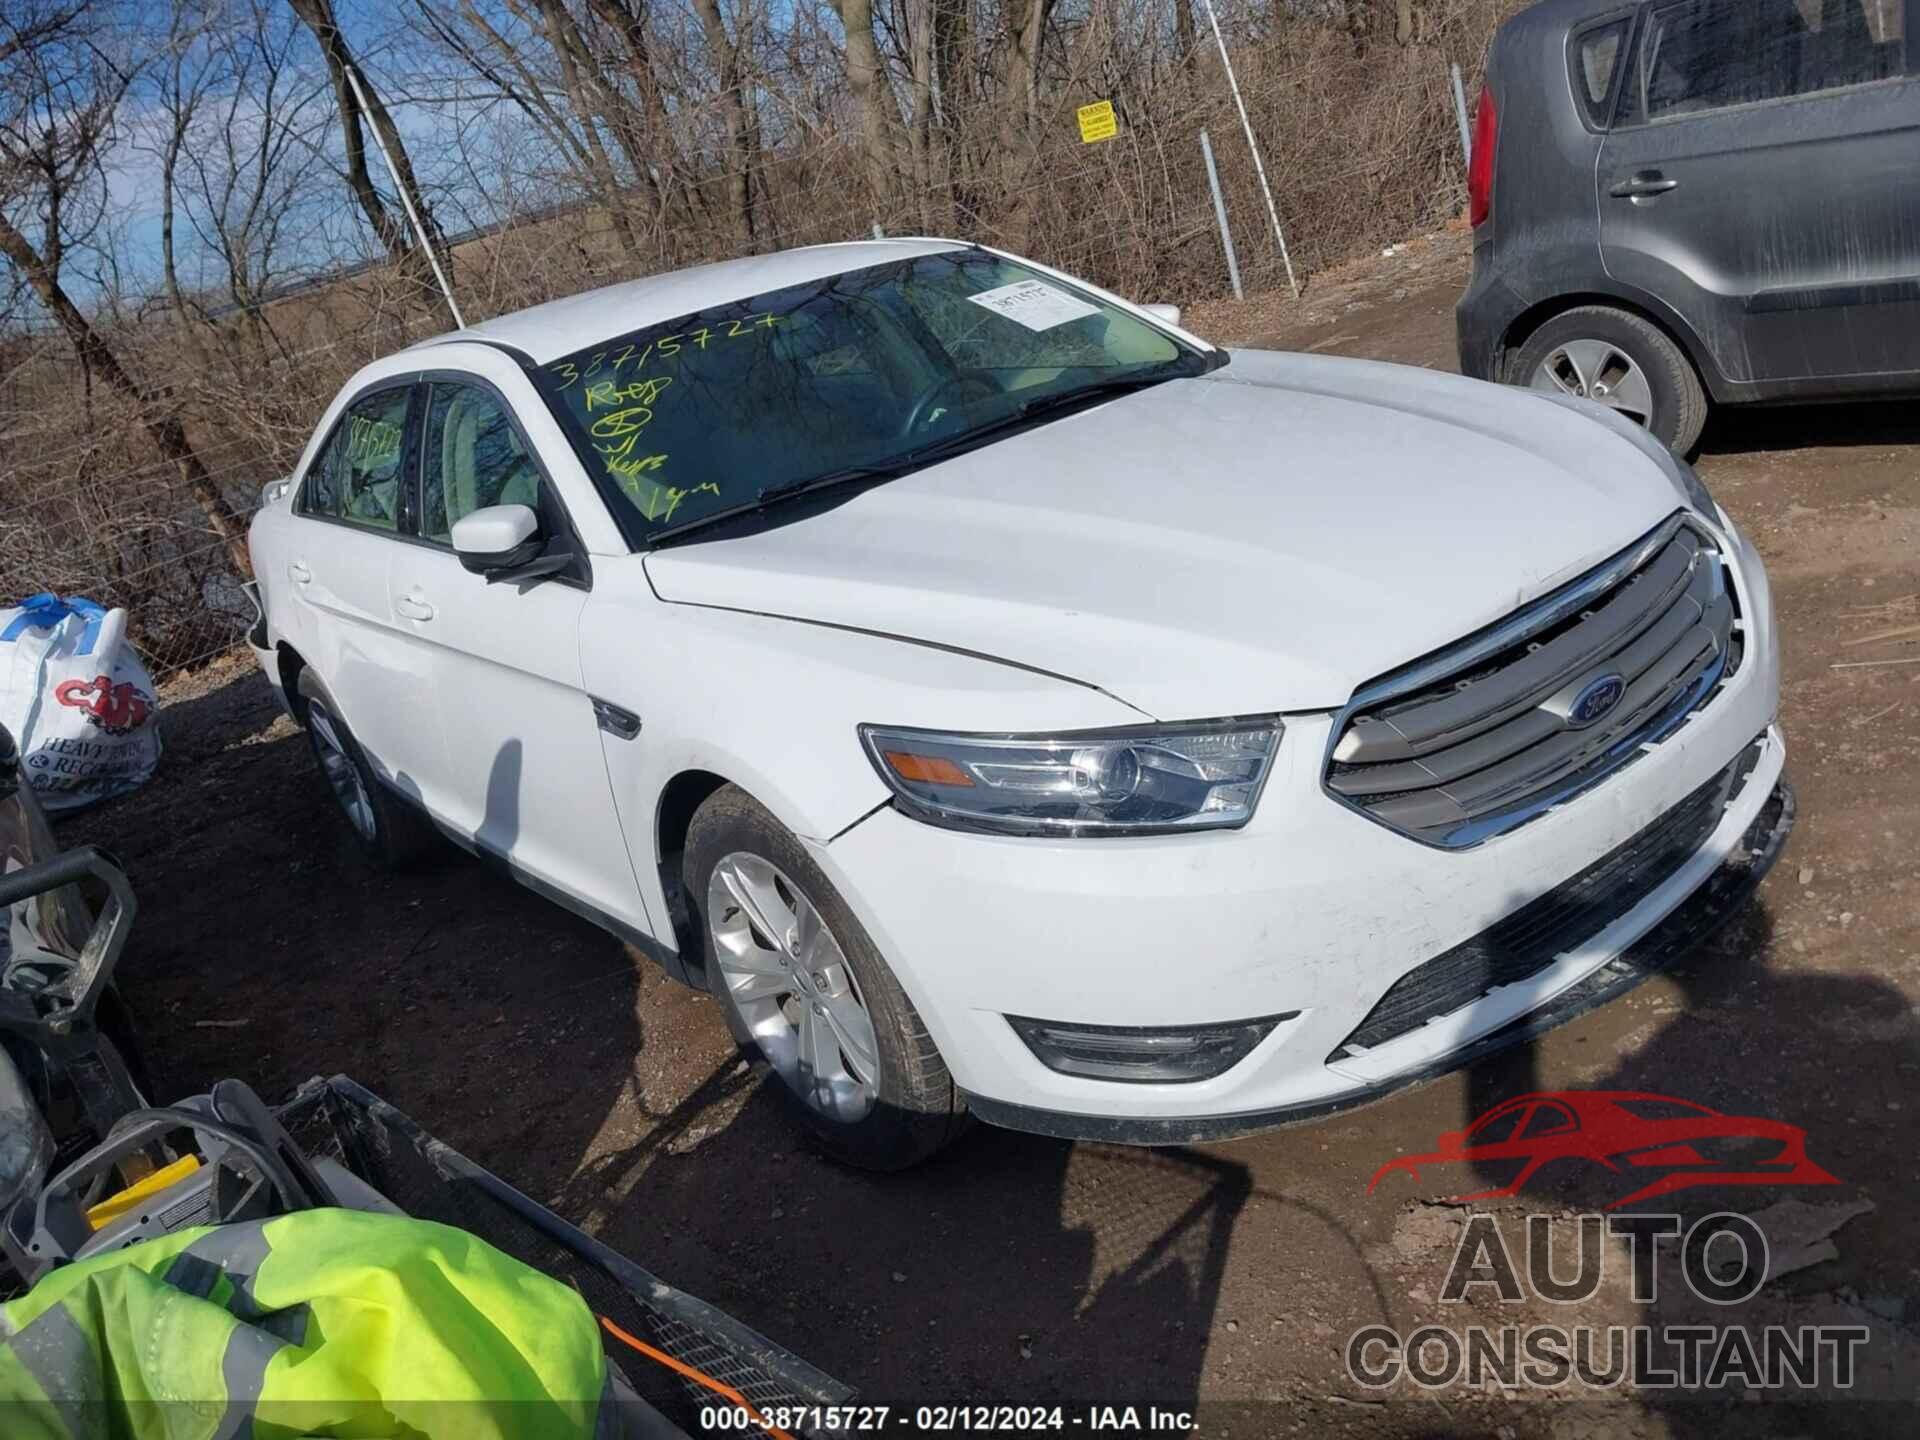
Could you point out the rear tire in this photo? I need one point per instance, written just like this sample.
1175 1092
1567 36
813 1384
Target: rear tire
782 947
1619 360
388 831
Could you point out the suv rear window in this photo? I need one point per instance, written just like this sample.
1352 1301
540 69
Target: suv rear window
1711 54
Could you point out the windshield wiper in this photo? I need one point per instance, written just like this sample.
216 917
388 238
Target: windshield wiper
774 495
889 469
907 461
1100 389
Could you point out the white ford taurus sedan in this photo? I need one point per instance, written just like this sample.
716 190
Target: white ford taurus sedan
1006 703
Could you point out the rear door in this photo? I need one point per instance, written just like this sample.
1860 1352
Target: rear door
346 526
519 767
1763 177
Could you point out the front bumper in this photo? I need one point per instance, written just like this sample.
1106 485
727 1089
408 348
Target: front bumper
1726 890
1310 910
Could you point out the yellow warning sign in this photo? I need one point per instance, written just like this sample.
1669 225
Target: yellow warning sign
1097 122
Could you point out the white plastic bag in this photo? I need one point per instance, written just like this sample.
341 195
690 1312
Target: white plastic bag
77 699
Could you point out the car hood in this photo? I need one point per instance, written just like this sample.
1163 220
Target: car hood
1263 538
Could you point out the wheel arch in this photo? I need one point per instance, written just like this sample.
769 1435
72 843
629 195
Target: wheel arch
1523 326
291 663
680 798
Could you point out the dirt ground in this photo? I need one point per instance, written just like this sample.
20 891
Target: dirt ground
1033 1271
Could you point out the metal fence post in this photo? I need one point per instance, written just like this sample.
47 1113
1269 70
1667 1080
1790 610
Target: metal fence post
1220 214
406 199
1460 114
1259 166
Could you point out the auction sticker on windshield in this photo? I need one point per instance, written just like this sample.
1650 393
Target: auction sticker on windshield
1034 304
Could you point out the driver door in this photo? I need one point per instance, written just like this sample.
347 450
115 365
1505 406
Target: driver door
520 769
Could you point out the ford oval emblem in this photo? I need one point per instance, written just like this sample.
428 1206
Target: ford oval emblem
1596 701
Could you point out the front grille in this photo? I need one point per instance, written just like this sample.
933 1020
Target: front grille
1563 919
1486 735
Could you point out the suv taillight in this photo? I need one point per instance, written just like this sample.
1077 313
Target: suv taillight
1486 139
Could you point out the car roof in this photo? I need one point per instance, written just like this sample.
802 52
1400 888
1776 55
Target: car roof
560 327
1568 13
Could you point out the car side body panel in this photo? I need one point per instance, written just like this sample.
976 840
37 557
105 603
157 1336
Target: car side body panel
708 700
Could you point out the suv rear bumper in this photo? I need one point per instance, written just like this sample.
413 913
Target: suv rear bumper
1482 318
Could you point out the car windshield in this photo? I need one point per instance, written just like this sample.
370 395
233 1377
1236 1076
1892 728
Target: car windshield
863 370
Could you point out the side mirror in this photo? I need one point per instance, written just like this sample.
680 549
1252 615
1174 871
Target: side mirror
1168 313
498 539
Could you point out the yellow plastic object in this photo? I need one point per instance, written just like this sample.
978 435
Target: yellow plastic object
114 1206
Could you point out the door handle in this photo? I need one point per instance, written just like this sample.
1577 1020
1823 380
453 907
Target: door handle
298 572
1643 186
414 607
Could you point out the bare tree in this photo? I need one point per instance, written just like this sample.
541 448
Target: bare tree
1020 108
343 70
60 95
873 95
240 151
727 52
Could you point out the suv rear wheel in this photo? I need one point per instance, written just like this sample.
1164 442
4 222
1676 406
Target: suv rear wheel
804 987
1622 361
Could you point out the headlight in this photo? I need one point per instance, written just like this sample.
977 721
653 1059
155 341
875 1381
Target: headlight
1695 489
1205 775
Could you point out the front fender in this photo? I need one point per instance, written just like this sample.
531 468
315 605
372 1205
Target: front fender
775 705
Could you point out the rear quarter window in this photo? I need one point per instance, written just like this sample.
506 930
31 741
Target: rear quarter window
1596 68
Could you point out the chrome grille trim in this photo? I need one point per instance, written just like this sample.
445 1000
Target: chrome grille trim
1477 739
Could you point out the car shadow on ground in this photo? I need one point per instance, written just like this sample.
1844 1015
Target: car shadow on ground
1736 1040
1010 1268
1751 429
269 949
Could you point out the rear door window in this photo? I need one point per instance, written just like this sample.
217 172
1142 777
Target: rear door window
356 476
1706 55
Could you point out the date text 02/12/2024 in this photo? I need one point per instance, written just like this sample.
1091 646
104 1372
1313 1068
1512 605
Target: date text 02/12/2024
891 1419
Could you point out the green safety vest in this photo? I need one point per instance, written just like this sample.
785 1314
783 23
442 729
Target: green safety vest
325 1322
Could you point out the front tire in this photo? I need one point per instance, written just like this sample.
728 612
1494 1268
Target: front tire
388 831
805 988
1622 361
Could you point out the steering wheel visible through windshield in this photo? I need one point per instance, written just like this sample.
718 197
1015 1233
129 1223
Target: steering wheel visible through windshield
715 410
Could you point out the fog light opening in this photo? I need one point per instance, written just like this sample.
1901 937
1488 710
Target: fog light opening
1173 1054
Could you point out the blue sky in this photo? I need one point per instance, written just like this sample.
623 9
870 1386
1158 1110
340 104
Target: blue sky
330 229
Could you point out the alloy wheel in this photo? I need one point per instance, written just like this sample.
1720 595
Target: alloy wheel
793 987
342 774
1598 370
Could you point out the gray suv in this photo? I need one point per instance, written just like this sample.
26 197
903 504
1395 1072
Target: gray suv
1684 201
